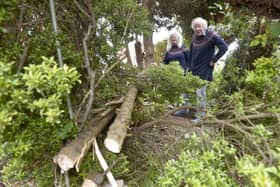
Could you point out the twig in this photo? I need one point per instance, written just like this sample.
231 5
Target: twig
104 165
115 102
91 75
81 9
253 116
104 74
163 118
60 179
24 55
22 8
238 129
127 22
92 13
98 110
67 180
85 48
269 153
91 97
81 105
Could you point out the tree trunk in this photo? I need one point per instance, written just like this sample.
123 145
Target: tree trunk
149 49
139 54
72 154
148 38
118 129
127 53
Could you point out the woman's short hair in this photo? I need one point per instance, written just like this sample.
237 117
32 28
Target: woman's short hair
199 20
179 38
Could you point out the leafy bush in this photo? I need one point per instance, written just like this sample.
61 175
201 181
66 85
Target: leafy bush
199 167
264 80
257 173
167 83
33 118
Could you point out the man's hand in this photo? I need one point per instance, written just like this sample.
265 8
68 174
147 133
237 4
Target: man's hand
211 63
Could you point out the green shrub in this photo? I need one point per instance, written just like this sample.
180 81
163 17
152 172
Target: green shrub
33 118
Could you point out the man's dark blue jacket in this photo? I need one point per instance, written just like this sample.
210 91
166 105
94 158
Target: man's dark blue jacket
202 51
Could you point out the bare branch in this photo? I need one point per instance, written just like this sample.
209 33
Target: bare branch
127 22
22 8
85 48
107 71
82 10
92 13
24 55
91 97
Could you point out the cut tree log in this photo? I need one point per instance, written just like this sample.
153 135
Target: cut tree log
118 129
120 183
72 154
89 182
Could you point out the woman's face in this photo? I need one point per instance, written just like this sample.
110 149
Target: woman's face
198 29
174 40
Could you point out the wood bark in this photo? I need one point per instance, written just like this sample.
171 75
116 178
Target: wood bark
127 54
89 182
118 128
139 54
72 154
24 56
149 49
120 183
148 38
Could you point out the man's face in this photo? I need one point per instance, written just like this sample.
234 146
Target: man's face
174 40
198 29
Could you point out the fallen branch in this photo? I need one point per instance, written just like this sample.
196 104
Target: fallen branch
115 102
89 182
163 118
254 116
104 165
118 129
98 110
71 155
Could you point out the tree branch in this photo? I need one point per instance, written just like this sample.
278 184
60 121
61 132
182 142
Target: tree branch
24 55
82 10
104 74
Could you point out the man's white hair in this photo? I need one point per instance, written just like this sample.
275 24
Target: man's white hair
179 38
199 20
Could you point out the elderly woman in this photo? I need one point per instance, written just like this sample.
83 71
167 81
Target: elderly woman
176 51
202 57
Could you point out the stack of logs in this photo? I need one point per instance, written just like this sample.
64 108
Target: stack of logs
72 154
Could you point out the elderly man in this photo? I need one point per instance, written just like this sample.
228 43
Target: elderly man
202 57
